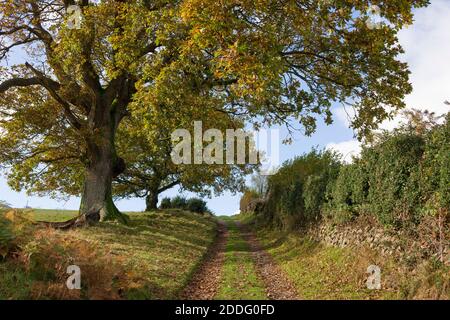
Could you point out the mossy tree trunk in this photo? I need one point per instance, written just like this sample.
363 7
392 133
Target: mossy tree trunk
103 166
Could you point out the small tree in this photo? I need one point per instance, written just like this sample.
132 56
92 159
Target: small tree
151 170
259 183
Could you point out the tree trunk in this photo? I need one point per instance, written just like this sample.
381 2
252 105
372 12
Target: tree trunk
151 201
102 167
97 203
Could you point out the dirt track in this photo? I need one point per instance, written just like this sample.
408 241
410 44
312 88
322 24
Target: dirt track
278 286
205 282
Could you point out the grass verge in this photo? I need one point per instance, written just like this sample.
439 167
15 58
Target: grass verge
325 272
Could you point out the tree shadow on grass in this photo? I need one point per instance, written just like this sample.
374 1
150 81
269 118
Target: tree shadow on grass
159 249
143 228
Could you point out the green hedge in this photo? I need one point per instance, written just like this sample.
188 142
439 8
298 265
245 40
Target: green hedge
401 178
299 191
392 164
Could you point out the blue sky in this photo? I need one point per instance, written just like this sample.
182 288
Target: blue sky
427 45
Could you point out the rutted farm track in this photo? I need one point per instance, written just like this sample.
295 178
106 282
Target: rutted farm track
205 282
237 267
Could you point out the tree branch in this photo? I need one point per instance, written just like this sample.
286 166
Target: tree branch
19 82
169 186
52 87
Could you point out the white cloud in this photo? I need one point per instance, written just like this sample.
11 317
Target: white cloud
427 52
345 115
348 149
427 46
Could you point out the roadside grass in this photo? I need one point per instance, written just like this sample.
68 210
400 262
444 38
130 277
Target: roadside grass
151 258
239 277
245 218
318 272
325 272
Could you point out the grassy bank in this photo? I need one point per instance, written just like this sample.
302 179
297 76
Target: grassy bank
320 271
151 258
324 272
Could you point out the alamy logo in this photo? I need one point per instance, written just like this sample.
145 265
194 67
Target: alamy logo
75 16
74 281
237 147
374 279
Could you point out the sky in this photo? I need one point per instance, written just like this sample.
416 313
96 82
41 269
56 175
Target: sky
427 46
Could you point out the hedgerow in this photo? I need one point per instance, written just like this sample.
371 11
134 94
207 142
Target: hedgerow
400 179
298 192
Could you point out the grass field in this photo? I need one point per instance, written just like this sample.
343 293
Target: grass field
151 258
156 254
52 215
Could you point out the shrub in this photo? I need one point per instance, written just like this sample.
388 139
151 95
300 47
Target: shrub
349 192
165 203
193 204
15 226
179 202
391 163
48 255
318 187
435 169
299 190
196 205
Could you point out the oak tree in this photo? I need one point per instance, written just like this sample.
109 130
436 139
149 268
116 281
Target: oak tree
267 62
